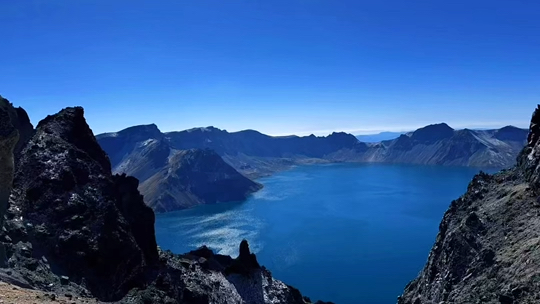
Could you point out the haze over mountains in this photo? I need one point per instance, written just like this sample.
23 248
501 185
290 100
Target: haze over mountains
373 138
218 164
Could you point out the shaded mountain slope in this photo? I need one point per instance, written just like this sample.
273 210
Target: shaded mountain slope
441 145
488 246
193 177
73 227
173 179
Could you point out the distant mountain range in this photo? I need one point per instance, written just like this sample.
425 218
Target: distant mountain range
174 178
373 138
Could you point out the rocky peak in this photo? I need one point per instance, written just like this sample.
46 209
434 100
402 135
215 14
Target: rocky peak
511 133
246 262
433 133
342 140
6 127
534 128
136 133
90 226
246 257
529 158
70 126
19 120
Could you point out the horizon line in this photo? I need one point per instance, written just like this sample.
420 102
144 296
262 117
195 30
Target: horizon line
355 132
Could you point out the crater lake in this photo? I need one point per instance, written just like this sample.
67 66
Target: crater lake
347 233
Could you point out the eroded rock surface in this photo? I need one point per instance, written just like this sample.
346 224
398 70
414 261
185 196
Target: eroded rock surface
488 246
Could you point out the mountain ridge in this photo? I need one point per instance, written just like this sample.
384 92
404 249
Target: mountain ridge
255 154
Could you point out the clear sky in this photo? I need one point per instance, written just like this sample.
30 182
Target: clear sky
280 67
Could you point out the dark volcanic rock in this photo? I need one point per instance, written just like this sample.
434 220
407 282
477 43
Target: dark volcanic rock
529 159
74 211
9 136
15 131
20 120
140 217
246 257
487 249
246 261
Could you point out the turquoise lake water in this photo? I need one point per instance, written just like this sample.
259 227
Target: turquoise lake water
347 233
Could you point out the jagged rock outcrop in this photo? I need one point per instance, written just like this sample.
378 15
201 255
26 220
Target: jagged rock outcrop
488 246
20 121
140 217
73 227
70 209
15 131
9 136
529 159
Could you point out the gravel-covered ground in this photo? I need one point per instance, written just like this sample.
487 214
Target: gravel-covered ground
11 294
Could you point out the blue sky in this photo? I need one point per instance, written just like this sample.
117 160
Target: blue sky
281 67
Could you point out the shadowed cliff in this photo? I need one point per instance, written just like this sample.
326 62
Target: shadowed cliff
488 248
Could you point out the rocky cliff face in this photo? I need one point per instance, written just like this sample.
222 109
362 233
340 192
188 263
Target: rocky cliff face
73 227
20 121
487 249
67 207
